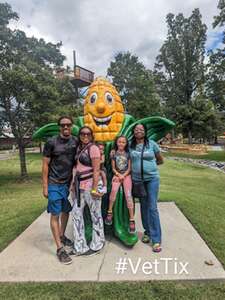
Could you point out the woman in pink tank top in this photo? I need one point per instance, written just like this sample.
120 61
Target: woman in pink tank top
87 170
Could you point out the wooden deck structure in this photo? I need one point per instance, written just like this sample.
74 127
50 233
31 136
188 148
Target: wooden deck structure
79 76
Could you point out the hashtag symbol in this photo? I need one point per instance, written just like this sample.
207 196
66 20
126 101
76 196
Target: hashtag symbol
121 265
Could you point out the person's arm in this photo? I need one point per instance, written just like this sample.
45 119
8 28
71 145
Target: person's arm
158 155
47 152
159 158
128 169
104 179
115 172
45 168
113 163
72 180
96 172
95 156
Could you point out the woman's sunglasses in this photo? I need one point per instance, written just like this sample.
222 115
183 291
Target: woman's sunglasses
69 125
139 130
88 134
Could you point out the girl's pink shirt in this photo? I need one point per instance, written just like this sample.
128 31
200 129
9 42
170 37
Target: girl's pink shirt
94 153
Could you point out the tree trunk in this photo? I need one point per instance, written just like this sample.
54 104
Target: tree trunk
215 140
40 147
23 166
189 136
172 135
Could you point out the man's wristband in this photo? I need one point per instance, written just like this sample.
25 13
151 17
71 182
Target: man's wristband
93 191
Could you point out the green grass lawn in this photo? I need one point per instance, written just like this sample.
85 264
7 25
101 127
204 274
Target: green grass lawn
21 203
212 155
200 194
198 191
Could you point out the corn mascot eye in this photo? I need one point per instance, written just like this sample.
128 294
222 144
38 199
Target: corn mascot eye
93 98
109 98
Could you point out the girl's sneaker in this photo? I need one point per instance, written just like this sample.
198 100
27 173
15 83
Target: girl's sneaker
132 228
108 219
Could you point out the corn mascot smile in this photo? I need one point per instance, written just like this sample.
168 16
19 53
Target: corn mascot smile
104 113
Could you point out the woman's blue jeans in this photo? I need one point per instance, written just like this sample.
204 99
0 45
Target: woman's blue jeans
149 211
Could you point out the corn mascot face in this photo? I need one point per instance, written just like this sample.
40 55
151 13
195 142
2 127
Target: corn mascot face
103 110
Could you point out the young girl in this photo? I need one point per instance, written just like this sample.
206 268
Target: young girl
121 167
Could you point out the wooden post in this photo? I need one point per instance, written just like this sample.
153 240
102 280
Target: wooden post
74 59
74 68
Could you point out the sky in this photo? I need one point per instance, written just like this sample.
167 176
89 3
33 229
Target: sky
99 29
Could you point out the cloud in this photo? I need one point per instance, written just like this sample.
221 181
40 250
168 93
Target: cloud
99 29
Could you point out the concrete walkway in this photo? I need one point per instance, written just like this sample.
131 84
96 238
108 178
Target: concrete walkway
185 256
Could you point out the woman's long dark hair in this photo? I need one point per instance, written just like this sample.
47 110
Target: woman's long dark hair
115 146
133 140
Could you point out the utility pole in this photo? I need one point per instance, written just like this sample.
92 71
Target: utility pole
74 70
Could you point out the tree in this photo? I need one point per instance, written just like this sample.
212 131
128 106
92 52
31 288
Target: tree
29 93
220 19
215 84
215 79
135 85
216 66
179 68
204 120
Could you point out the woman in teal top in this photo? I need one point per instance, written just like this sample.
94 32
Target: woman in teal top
151 158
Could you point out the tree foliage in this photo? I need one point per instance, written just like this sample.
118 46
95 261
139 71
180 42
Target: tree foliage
30 95
220 19
135 85
215 85
179 69
216 66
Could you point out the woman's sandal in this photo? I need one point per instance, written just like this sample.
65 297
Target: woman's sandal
156 247
132 228
145 239
108 219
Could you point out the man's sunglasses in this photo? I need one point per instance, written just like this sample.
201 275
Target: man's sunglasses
85 134
69 125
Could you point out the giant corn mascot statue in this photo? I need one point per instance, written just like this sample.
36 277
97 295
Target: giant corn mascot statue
104 113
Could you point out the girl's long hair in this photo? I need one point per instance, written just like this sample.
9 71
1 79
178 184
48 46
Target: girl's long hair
115 146
133 140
